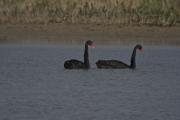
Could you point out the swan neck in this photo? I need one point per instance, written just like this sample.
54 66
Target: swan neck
86 57
133 59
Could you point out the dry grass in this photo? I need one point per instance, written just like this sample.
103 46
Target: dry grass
121 12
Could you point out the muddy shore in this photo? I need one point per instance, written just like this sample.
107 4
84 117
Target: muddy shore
60 34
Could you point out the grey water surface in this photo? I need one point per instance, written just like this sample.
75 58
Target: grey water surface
35 86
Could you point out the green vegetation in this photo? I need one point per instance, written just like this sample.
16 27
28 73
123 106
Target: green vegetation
121 12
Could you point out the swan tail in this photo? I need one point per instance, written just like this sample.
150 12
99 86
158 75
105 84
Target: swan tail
68 65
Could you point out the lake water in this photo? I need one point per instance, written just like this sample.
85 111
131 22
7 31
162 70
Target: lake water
35 86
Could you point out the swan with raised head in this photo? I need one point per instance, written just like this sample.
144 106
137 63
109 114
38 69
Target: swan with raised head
115 64
76 64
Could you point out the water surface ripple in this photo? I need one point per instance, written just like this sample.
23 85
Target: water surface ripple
35 86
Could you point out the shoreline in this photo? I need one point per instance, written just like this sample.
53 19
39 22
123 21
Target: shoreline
75 34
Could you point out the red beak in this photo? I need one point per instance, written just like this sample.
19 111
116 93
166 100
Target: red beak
92 46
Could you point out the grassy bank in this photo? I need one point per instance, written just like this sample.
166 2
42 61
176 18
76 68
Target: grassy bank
121 12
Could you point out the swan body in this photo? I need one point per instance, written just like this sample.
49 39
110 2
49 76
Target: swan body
111 64
76 64
115 64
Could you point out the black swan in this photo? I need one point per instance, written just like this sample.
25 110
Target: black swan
76 64
115 64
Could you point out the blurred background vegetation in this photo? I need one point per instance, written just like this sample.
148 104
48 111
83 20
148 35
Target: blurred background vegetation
121 12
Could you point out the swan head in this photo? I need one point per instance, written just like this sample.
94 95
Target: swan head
139 47
90 43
